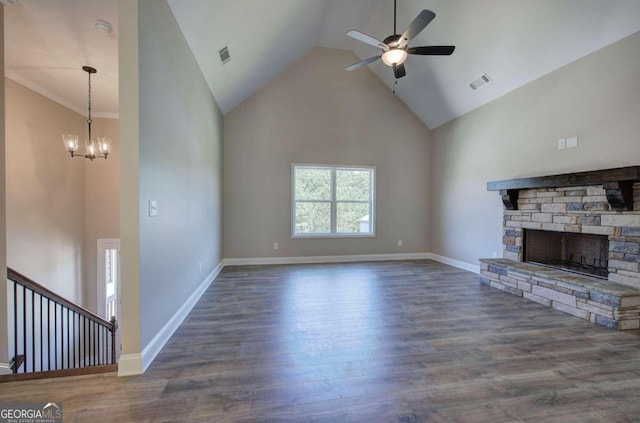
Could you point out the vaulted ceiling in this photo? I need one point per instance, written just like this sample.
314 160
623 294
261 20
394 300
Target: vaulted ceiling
513 41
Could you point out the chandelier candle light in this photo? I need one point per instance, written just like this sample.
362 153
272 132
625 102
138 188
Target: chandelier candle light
93 149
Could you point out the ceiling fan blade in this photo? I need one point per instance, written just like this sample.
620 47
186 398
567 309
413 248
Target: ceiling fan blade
432 50
398 71
365 62
361 36
418 24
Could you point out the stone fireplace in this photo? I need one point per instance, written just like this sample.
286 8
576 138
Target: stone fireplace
572 242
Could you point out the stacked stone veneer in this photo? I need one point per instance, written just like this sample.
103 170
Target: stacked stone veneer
615 302
605 303
580 210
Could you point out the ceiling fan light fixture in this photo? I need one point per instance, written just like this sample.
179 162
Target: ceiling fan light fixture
394 56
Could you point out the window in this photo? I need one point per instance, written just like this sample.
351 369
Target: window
333 201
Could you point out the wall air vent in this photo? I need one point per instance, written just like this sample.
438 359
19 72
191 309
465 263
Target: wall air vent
224 55
484 79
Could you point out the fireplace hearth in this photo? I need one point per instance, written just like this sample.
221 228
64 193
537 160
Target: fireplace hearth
572 242
586 254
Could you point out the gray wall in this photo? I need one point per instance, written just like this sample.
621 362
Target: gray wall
317 113
180 167
596 98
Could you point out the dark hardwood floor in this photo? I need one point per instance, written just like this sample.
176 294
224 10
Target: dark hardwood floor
409 341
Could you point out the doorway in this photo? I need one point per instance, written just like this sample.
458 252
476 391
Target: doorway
109 282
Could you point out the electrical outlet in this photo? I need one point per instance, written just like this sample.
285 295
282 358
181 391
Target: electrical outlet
275 246
494 254
572 142
399 243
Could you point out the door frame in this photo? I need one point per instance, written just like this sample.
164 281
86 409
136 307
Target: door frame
105 244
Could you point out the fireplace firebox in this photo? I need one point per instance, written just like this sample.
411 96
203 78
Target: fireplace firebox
575 252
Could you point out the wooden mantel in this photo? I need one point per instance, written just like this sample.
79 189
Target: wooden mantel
617 183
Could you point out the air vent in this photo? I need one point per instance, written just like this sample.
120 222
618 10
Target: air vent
224 54
484 79
8 2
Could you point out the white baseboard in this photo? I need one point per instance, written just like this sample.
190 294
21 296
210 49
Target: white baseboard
323 259
5 369
132 364
475 268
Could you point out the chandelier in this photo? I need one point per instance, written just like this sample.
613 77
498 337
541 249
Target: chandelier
98 149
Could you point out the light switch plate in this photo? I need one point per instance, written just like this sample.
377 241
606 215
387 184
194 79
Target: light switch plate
562 143
153 208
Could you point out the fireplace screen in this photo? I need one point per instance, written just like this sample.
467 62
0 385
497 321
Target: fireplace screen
581 253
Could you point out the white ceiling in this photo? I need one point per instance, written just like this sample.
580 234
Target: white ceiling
513 41
48 41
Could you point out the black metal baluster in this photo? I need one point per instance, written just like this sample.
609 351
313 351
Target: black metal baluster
33 331
93 356
15 322
41 341
69 338
73 325
99 334
83 349
55 333
24 326
48 334
84 341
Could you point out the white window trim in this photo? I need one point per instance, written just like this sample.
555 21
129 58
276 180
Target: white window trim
372 214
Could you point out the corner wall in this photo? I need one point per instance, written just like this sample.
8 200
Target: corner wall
317 113
180 167
596 98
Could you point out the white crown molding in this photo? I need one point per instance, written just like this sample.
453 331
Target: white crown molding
48 94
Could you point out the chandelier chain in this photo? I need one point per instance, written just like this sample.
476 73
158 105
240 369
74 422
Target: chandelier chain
89 121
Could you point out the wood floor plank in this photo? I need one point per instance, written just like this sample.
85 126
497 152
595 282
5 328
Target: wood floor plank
400 341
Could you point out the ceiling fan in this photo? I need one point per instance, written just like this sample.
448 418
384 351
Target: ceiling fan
395 48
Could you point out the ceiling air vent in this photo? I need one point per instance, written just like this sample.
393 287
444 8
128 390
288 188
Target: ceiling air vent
224 54
484 79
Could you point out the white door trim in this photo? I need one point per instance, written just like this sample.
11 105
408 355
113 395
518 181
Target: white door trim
104 244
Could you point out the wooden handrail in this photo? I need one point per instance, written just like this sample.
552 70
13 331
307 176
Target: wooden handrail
36 287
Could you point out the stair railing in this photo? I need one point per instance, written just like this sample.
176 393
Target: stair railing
50 333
